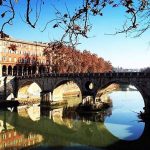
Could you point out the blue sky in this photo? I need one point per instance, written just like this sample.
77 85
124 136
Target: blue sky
122 51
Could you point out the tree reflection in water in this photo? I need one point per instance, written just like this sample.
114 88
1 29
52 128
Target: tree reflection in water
99 116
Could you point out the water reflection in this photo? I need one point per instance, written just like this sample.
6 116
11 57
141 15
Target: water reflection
71 113
32 112
65 128
11 138
124 122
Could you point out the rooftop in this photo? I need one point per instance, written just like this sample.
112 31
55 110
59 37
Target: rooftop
6 37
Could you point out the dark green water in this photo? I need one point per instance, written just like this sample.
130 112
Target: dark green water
63 128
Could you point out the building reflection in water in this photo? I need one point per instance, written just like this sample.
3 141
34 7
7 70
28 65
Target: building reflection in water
10 138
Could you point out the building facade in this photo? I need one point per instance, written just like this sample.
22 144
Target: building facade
22 58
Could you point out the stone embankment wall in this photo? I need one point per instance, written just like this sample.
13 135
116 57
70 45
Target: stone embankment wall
8 87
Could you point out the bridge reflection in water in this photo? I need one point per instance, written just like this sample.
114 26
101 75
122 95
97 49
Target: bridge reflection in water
64 127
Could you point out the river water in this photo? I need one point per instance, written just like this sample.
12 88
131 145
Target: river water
63 128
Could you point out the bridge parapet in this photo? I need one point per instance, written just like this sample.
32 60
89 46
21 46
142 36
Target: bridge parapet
95 75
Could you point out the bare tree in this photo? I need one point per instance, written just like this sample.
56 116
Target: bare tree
78 24
8 12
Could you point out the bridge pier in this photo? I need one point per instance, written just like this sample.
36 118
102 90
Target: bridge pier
46 98
147 105
145 91
45 111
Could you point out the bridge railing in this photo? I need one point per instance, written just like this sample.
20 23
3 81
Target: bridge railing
102 75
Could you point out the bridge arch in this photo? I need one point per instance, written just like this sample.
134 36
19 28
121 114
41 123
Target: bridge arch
24 89
4 70
120 82
60 82
15 69
66 86
10 70
126 105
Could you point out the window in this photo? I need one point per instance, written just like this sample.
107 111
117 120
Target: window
3 58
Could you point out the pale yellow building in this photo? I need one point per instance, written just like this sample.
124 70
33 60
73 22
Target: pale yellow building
18 57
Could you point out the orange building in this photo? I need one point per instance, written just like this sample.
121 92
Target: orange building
10 139
19 57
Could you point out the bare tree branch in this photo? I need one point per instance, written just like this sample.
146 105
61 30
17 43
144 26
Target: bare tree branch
77 24
12 11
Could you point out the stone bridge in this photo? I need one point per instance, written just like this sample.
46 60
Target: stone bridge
88 83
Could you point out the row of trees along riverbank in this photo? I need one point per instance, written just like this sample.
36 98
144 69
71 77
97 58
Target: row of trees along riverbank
65 59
